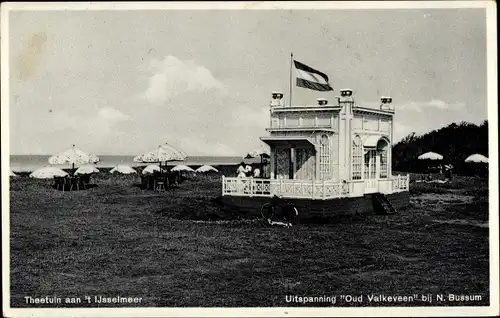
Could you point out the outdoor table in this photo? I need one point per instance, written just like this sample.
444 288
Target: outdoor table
149 182
70 183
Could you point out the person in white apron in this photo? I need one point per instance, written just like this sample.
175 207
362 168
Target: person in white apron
241 171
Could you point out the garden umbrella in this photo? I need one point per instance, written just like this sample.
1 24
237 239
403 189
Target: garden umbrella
123 169
206 168
162 153
86 169
262 153
430 156
257 153
182 168
477 158
151 169
73 156
48 173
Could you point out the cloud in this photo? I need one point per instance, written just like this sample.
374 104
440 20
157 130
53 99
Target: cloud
433 104
244 116
111 115
172 77
88 127
196 112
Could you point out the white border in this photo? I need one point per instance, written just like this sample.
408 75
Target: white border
492 310
247 5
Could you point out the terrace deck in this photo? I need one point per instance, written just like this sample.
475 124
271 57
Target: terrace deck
318 209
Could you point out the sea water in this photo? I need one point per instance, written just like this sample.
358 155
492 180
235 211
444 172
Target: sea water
22 163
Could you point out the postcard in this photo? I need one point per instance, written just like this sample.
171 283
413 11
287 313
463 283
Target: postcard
249 159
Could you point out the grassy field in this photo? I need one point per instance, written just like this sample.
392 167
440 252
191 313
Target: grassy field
116 240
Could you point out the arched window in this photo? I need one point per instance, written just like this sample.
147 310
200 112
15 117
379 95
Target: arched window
324 158
382 148
383 163
357 158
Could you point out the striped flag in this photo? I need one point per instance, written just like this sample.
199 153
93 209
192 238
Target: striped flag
308 77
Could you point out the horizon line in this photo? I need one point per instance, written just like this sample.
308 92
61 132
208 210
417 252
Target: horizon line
127 155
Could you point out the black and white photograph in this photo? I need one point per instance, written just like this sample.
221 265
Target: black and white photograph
249 159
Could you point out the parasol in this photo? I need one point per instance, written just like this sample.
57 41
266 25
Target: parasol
48 173
206 168
477 158
163 153
87 169
430 156
123 169
183 168
73 156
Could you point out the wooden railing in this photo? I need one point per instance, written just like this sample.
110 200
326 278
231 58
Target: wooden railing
306 189
400 183
302 189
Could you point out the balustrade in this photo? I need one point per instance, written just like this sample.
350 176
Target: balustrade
303 189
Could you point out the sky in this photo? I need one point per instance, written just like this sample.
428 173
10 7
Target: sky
122 82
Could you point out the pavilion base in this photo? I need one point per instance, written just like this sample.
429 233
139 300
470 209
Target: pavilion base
317 209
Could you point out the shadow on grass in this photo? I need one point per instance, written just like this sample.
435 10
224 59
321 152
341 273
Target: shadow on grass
87 187
213 209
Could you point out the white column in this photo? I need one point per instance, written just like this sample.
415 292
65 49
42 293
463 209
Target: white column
362 162
223 184
272 172
389 153
316 159
349 148
377 165
342 146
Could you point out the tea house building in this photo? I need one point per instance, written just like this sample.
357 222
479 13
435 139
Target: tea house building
327 151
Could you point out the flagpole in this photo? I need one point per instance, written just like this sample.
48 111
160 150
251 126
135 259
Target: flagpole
291 62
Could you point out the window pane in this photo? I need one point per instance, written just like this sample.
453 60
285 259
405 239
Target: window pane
324 159
357 159
383 164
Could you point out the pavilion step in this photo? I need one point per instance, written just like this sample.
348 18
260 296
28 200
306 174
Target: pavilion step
384 203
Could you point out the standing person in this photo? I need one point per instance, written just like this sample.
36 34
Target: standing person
256 172
248 171
241 171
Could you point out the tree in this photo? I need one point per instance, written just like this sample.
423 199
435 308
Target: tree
454 142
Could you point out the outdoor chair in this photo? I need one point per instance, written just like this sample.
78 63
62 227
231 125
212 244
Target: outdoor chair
173 178
76 183
145 182
160 183
59 183
85 179
67 183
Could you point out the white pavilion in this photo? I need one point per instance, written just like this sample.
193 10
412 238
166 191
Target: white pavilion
326 151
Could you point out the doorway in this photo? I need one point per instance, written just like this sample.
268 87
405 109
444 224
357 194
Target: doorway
372 167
